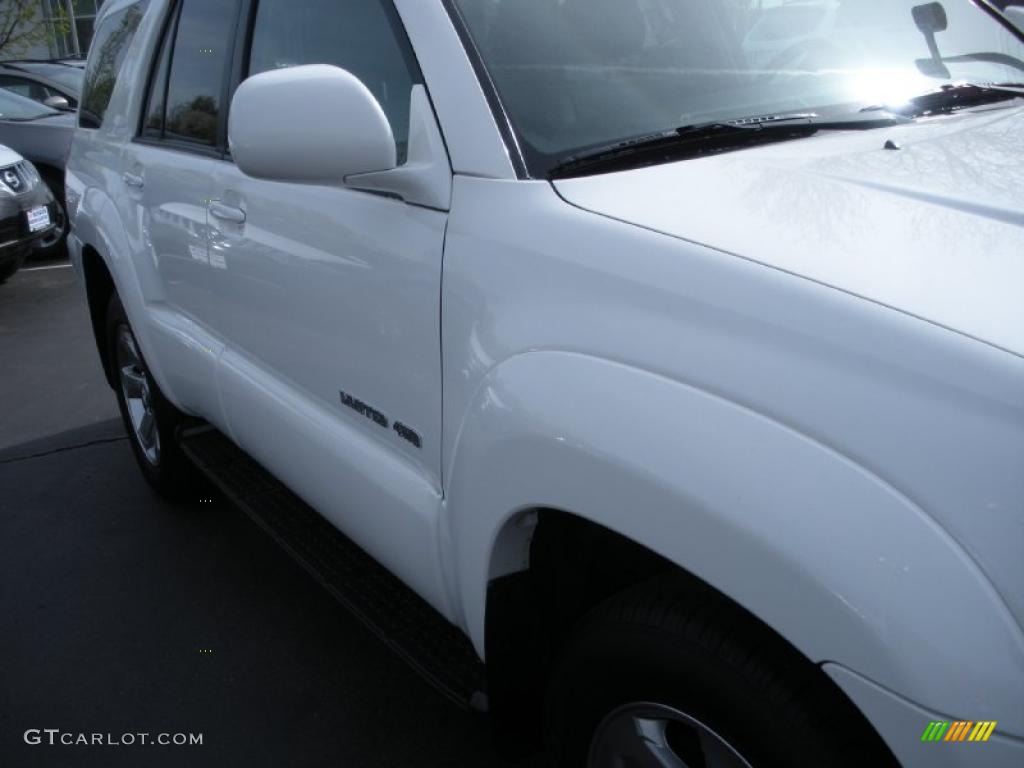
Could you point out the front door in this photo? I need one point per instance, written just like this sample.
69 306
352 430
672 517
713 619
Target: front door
328 301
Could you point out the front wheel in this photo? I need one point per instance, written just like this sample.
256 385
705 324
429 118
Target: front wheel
677 677
149 418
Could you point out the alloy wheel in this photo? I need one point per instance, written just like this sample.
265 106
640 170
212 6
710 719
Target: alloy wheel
138 396
646 735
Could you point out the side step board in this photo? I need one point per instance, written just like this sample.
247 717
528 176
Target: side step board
398 616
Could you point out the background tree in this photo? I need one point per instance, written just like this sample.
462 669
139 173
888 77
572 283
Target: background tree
23 25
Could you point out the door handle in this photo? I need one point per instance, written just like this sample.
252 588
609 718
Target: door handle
133 179
227 212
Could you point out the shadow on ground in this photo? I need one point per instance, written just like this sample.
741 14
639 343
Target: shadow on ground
51 379
123 614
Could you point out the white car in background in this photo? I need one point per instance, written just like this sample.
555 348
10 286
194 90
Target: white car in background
687 386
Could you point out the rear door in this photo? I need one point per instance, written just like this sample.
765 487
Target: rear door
167 172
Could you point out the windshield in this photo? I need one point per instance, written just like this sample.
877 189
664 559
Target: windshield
67 75
578 74
15 107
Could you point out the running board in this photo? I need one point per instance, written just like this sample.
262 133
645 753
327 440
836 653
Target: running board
421 636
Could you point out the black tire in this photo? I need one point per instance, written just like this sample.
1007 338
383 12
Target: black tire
687 648
171 474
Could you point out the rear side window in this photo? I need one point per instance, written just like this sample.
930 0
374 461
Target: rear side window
110 46
153 117
27 88
186 96
363 36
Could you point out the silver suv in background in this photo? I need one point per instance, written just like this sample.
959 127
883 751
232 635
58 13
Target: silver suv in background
27 211
42 136
57 83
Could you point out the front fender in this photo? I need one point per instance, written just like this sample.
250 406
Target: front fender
834 558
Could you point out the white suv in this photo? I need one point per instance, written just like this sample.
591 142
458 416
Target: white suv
690 391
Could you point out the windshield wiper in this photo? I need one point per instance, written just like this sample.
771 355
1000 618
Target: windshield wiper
712 137
952 98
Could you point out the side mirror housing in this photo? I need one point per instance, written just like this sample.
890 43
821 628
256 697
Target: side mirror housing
313 124
930 18
57 102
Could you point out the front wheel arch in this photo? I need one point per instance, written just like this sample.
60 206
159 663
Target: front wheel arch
575 567
714 672
725 492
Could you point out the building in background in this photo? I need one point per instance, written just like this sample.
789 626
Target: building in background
77 38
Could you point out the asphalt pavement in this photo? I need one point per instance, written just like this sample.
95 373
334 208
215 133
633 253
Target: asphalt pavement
122 615
50 375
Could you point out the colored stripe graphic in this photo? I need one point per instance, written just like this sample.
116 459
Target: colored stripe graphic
959 730
983 731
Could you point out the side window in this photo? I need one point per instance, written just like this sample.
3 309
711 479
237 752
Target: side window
363 36
23 87
199 62
110 46
153 116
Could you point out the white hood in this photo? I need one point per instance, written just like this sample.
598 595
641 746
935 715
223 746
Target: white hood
935 229
8 156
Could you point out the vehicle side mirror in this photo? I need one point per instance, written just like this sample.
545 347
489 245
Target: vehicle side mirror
313 124
57 102
930 18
